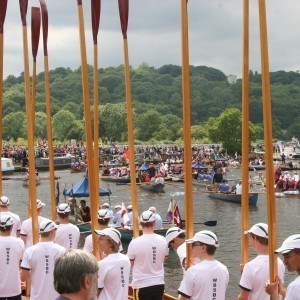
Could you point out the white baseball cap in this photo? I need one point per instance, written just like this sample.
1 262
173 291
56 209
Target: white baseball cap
105 205
4 201
103 214
206 237
47 226
39 204
291 243
172 233
129 206
259 229
153 209
63 208
147 216
6 220
113 233
118 206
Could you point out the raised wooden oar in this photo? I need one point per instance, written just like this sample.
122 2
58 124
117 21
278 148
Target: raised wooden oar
96 9
30 136
3 7
245 136
88 122
48 108
188 187
123 10
35 39
268 139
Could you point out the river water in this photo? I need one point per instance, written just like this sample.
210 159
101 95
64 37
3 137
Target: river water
228 216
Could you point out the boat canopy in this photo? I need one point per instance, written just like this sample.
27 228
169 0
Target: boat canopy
145 166
199 166
81 189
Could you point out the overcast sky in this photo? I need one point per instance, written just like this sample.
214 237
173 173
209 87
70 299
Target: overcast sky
154 34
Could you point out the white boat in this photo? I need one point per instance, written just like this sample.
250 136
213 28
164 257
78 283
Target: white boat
7 165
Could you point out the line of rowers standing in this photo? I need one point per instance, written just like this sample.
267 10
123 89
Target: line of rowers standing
57 270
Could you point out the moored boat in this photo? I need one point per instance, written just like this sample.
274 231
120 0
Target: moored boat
156 187
235 198
62 162
117 179
7 166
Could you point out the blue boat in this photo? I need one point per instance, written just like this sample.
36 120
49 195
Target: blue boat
253 197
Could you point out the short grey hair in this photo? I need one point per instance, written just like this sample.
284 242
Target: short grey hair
71 268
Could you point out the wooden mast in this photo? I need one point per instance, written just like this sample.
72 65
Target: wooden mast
48 108
88 124
268 139
123 10
189 216
96 9
3 7
30 136
245 135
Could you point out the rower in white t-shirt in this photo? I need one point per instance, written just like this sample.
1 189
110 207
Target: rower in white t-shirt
175 238
117 219
104 218
114 269
158 219
67 234
290 249
209 278
4 209
38 263
147 254
256 272
11 253
26 228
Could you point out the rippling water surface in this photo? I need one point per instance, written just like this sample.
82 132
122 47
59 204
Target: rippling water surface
228 216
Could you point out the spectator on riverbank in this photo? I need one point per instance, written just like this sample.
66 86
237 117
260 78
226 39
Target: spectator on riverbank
256 272
209 278
290 249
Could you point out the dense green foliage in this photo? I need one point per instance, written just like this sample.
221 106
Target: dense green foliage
157 104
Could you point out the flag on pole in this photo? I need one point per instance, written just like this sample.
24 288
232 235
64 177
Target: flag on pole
124 215
57 192
177 217
169 212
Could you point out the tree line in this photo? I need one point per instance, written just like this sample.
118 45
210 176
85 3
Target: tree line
157 103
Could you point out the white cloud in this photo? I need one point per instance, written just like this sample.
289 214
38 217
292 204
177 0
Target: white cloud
215 32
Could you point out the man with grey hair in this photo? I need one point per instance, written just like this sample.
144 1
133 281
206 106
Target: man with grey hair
76 275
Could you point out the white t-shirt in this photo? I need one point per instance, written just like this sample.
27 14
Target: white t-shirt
11 253
67 235
158 222
238 189
293 290
26 230
255 274
148 252
181 252
205 280
17 222
88 244
117 219
40 260
113 277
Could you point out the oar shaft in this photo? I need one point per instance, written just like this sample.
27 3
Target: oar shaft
88 125
1 105
268 139
135 207
245 135
187 125
30 137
